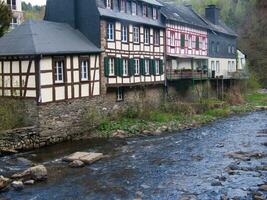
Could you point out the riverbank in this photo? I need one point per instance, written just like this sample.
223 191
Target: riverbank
173 116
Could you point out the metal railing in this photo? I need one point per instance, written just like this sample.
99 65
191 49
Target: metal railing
186 74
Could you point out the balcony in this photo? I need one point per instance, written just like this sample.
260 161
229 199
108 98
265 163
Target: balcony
187 74
239 74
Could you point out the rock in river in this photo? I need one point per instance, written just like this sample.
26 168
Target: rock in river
17 185
76 164
87 158
37 173
3 183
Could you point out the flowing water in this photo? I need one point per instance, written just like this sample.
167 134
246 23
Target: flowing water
173 166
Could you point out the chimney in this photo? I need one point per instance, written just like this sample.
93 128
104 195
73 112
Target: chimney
212 13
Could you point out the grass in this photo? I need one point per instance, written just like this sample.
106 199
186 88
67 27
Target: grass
257 99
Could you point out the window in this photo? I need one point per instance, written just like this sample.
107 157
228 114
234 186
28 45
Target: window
217 66
120 94
59 67
136 34
122 5
157 67
229 49
233 66
233 50
155 13
125 67
182 40
109 4
212 66
218 47
124 33
146 35
156 37
229 66
197 42
145 11
111 65
190 42
84 70
203 43
146 67
110 32
134 8
136 66
14 6
172 38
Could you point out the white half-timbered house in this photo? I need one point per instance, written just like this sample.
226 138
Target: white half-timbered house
49 62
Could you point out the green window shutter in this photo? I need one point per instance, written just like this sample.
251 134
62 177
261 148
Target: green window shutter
161 67
131 69
197 42
142 66
152 67
182 40
120 68
117 66
106 66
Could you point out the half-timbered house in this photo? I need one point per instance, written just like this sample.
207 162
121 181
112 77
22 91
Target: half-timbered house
49 62
186 43
129 32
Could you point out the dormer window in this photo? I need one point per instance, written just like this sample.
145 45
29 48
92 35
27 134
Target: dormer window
109 4
123 5
155 13
134 8
145 11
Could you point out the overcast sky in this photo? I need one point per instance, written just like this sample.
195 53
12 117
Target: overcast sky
36 2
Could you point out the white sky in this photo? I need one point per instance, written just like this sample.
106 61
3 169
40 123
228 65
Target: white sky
36 2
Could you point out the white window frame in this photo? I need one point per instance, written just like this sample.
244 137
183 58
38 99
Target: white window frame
233 50
124 33
233 66
172 36
123 5
110 32
155 13
109 4
84 70
145 10
59 65
218 66
136 34
156 37
229 66
213 66
203 43
157 67
111 66
137 66
147 66
134 8
125 67
229 49
190 41
146 35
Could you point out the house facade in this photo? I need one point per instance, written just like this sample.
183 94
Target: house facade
186 43
222 45
131 35
15 6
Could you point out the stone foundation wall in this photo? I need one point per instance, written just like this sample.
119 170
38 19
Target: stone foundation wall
66 120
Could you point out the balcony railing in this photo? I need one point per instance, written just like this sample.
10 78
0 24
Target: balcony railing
186 74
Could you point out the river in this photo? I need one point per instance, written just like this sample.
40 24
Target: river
181 165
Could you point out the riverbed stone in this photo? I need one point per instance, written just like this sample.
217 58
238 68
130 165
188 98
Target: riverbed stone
17 185
29 182
76 164
85 157
3 182
263 187
245 156
37 173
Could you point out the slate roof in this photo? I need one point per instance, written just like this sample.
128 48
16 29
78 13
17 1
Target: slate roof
45 38
221 27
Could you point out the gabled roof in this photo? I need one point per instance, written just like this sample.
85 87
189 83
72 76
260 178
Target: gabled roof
45 38
183 14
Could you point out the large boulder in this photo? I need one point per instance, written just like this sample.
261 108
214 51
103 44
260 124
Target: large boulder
17 185
37 173
76 164
4 182
85 157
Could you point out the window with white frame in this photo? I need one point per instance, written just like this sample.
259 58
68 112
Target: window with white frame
203 43
229 66
172 38
145 10
124 33
213 66
156 37
157 67
59 71
147 67
218 66
233 50
136 34
111 65
146 35
229 49
84 70
120 94
155 13
110 32
136 66
233 66
125 68
123 5
190 42
109 4
134 8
